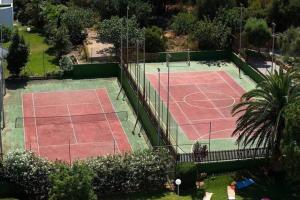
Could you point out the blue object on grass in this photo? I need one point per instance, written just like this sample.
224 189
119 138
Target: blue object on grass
244 183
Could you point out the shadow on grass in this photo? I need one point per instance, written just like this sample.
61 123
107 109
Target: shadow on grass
273 186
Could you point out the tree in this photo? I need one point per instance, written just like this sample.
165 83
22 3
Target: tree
33 11
61 42
261 121
109 31
70 183
230 17
290 42
284 13
18 53
76 20
155 40
6 34
257 32
200 151
292 120
212 34
183 23
209 8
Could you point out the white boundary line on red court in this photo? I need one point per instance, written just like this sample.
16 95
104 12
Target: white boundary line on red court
72 125
24 131
211 100
111 132
229 84
186 117
63 105
118 119
216 108
36 129
59 91
83 143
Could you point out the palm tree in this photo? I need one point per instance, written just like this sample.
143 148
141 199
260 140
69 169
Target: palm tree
261 120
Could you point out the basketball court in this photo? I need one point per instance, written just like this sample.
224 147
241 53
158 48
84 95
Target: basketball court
200 102
72 125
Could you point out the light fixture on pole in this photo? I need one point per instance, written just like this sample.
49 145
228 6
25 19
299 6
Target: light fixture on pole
144 84
273 43
121 58
158 126
127 37
178 183
241 24
168 56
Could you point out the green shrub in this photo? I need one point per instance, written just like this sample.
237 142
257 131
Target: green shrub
66 64
142 171
183 23
28 171
6 34
69 183
155 40
187 173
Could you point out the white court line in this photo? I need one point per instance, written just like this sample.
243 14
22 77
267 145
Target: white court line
200 120
60 91
118 118
24 127
79 143
229 85
72 125
36 130
210 101
186 117
111 132
63 105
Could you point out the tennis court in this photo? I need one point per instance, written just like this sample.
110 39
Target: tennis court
72 125
201 99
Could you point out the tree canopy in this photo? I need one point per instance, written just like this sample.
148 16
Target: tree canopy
257 32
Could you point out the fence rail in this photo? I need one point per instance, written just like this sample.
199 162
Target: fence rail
226 155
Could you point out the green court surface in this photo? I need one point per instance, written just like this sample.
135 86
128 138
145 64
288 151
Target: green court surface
176 69
14 138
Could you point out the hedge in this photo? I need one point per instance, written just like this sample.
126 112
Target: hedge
32 176
103 70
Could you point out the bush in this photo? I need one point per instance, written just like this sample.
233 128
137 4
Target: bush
30 172
143 171
6 34
212 34
183 23
155 41
72 182
187 173
257 32
66 64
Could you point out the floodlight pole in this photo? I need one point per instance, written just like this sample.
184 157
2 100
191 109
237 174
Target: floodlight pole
144 84
137 86
158 126
121 59
273 43
127 38
168 56
241 24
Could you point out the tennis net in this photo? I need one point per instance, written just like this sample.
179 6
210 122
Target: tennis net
21 122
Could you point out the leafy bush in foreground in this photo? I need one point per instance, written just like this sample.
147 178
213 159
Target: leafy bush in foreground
72 182
30 172
141 171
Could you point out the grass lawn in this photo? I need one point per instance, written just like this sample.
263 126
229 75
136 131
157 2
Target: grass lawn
264 187
38 52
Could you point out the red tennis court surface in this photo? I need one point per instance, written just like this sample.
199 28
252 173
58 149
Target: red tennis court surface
65 139
198 98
